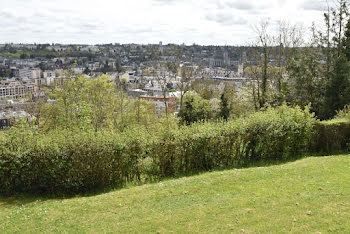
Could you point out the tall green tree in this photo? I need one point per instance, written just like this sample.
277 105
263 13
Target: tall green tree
224 107
304 85
194 109
338 89
346 42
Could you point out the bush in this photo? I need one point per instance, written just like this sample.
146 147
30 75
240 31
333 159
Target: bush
331 136
66 161
275 134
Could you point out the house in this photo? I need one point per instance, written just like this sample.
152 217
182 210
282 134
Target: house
29 73
7 118
160 103
15 89
136 93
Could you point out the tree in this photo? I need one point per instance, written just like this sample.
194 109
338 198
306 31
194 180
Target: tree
255 84
80 103
289 39
339 14
338 90
23 56
71 109
121 102
195 109
346 41
160 74
337 63
224 107
184 84
205 88
304 85
101 98
265 42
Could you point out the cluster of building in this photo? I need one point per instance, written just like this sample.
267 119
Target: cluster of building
139 67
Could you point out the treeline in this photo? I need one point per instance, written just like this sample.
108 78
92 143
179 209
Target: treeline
42 52
289 68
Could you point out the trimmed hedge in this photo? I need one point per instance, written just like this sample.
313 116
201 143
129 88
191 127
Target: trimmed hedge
74 162
68 162
331 136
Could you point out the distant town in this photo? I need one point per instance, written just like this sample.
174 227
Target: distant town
26 68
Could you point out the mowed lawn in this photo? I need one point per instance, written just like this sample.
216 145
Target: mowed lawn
310 195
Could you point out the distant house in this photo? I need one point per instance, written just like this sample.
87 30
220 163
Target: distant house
160 103
15 89
136 93
8 118
4 123
238 81
29 73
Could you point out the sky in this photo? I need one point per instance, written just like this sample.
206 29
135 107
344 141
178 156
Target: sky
203 22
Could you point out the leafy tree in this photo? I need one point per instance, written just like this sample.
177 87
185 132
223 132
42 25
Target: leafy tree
80 103
23 56
173 67
101 99
338 90
195 109
304 85
70 109
184 84
204 87
346 42
224 107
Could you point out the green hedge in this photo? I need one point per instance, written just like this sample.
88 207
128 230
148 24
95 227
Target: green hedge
74 162
68 162
331 136
275 134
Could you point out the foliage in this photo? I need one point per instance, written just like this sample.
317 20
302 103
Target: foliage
72 160
204 88
82 103
332 136
304 84
68 161
194 109
343 113
224 107
338 89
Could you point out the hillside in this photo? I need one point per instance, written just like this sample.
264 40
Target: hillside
310 195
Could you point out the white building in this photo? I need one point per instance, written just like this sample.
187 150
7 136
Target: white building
15 89
29 73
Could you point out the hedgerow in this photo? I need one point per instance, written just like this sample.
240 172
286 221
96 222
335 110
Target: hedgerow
68 161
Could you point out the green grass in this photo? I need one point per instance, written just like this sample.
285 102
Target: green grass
306 196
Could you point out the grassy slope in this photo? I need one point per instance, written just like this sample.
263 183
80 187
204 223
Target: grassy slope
267 199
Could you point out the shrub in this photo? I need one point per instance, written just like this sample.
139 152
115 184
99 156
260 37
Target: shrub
331 136
67 161
274 134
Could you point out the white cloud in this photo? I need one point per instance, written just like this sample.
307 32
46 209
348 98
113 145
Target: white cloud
314 5
146 21
226 18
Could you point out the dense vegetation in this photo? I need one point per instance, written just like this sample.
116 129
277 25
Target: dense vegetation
93 137
70 160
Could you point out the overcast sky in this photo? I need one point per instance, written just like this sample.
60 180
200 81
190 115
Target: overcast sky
205 22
